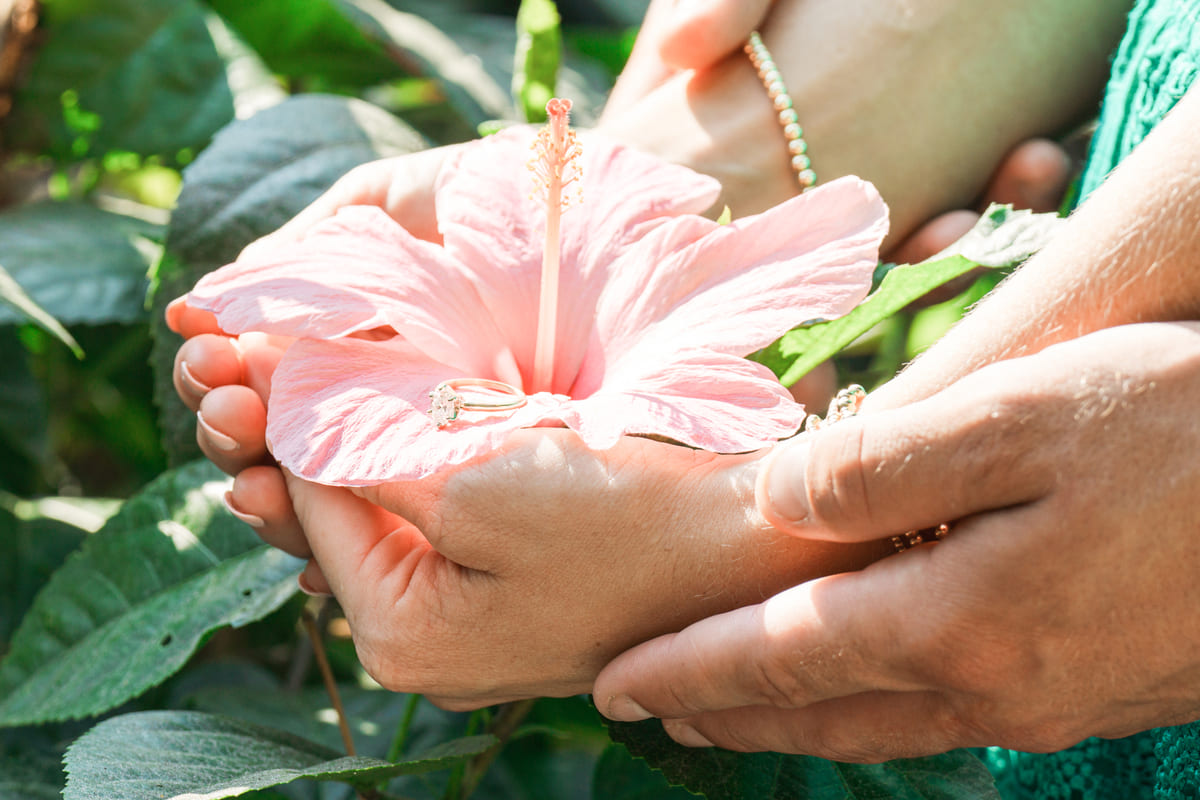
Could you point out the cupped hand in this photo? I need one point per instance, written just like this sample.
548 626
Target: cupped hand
1059 607
523 573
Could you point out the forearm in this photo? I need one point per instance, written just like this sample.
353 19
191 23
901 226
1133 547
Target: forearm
1131 253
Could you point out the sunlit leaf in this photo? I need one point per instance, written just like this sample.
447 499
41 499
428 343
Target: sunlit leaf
132 604
79 263
203 757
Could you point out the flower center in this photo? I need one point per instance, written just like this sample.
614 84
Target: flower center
555 167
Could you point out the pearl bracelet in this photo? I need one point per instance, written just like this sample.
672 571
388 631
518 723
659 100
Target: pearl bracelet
772 79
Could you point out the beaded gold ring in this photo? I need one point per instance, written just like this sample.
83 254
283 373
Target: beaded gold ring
789 120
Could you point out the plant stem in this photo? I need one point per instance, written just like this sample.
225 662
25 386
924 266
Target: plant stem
314 635
401 738
503 726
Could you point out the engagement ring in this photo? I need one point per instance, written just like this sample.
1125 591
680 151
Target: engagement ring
448 400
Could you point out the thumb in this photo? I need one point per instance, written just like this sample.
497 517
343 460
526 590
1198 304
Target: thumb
699 33
968 449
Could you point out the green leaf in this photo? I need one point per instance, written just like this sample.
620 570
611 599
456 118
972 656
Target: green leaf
256 175
14 296
309 41
419 43
24 417
620 776
30 551
802 349
725 775
131 605
138 75
182 754
1004 237
79 263
539 53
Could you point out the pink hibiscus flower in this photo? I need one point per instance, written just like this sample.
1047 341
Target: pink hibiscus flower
626 314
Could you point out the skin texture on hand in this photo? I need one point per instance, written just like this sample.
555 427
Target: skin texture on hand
1059 606
1061 613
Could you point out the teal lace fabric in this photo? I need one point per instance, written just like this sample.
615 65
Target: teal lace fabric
1154 66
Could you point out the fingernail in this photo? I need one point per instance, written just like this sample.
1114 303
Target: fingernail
219 440
253 520
623 709
685 734
191 381
781 492
306 587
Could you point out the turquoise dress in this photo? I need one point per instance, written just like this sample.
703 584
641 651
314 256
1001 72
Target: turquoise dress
1154 67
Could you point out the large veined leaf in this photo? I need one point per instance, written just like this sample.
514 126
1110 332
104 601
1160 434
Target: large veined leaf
1002 238
199 756
142 75
725 775
79 263
256 175
131 605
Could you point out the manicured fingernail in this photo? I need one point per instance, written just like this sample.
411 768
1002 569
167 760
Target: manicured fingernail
253 520
191 381
685 734
623 709
307 588
219 440
781 492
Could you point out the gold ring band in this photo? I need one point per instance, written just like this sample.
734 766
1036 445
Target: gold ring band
446 401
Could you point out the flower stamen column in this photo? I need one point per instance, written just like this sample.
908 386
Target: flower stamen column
554 166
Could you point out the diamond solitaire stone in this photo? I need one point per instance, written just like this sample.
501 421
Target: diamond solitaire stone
444 405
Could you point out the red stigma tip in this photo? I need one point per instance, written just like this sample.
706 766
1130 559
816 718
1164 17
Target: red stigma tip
558 107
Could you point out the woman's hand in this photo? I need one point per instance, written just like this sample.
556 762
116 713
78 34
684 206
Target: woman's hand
1059 607
887 92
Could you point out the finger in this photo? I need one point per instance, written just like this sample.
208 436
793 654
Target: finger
807 644
933 237
203 363
700 33
259 497
644 70
364 552
1035 175
313 582
188 321
975 446
260 354
231 426
864 728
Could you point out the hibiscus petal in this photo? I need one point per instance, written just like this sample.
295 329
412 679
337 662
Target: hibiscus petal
354 272
350 412
490 221
742 286
709 400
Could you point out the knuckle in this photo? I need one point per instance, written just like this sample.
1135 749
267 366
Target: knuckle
776 680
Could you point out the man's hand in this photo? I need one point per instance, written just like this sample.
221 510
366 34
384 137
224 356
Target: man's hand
1061 605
